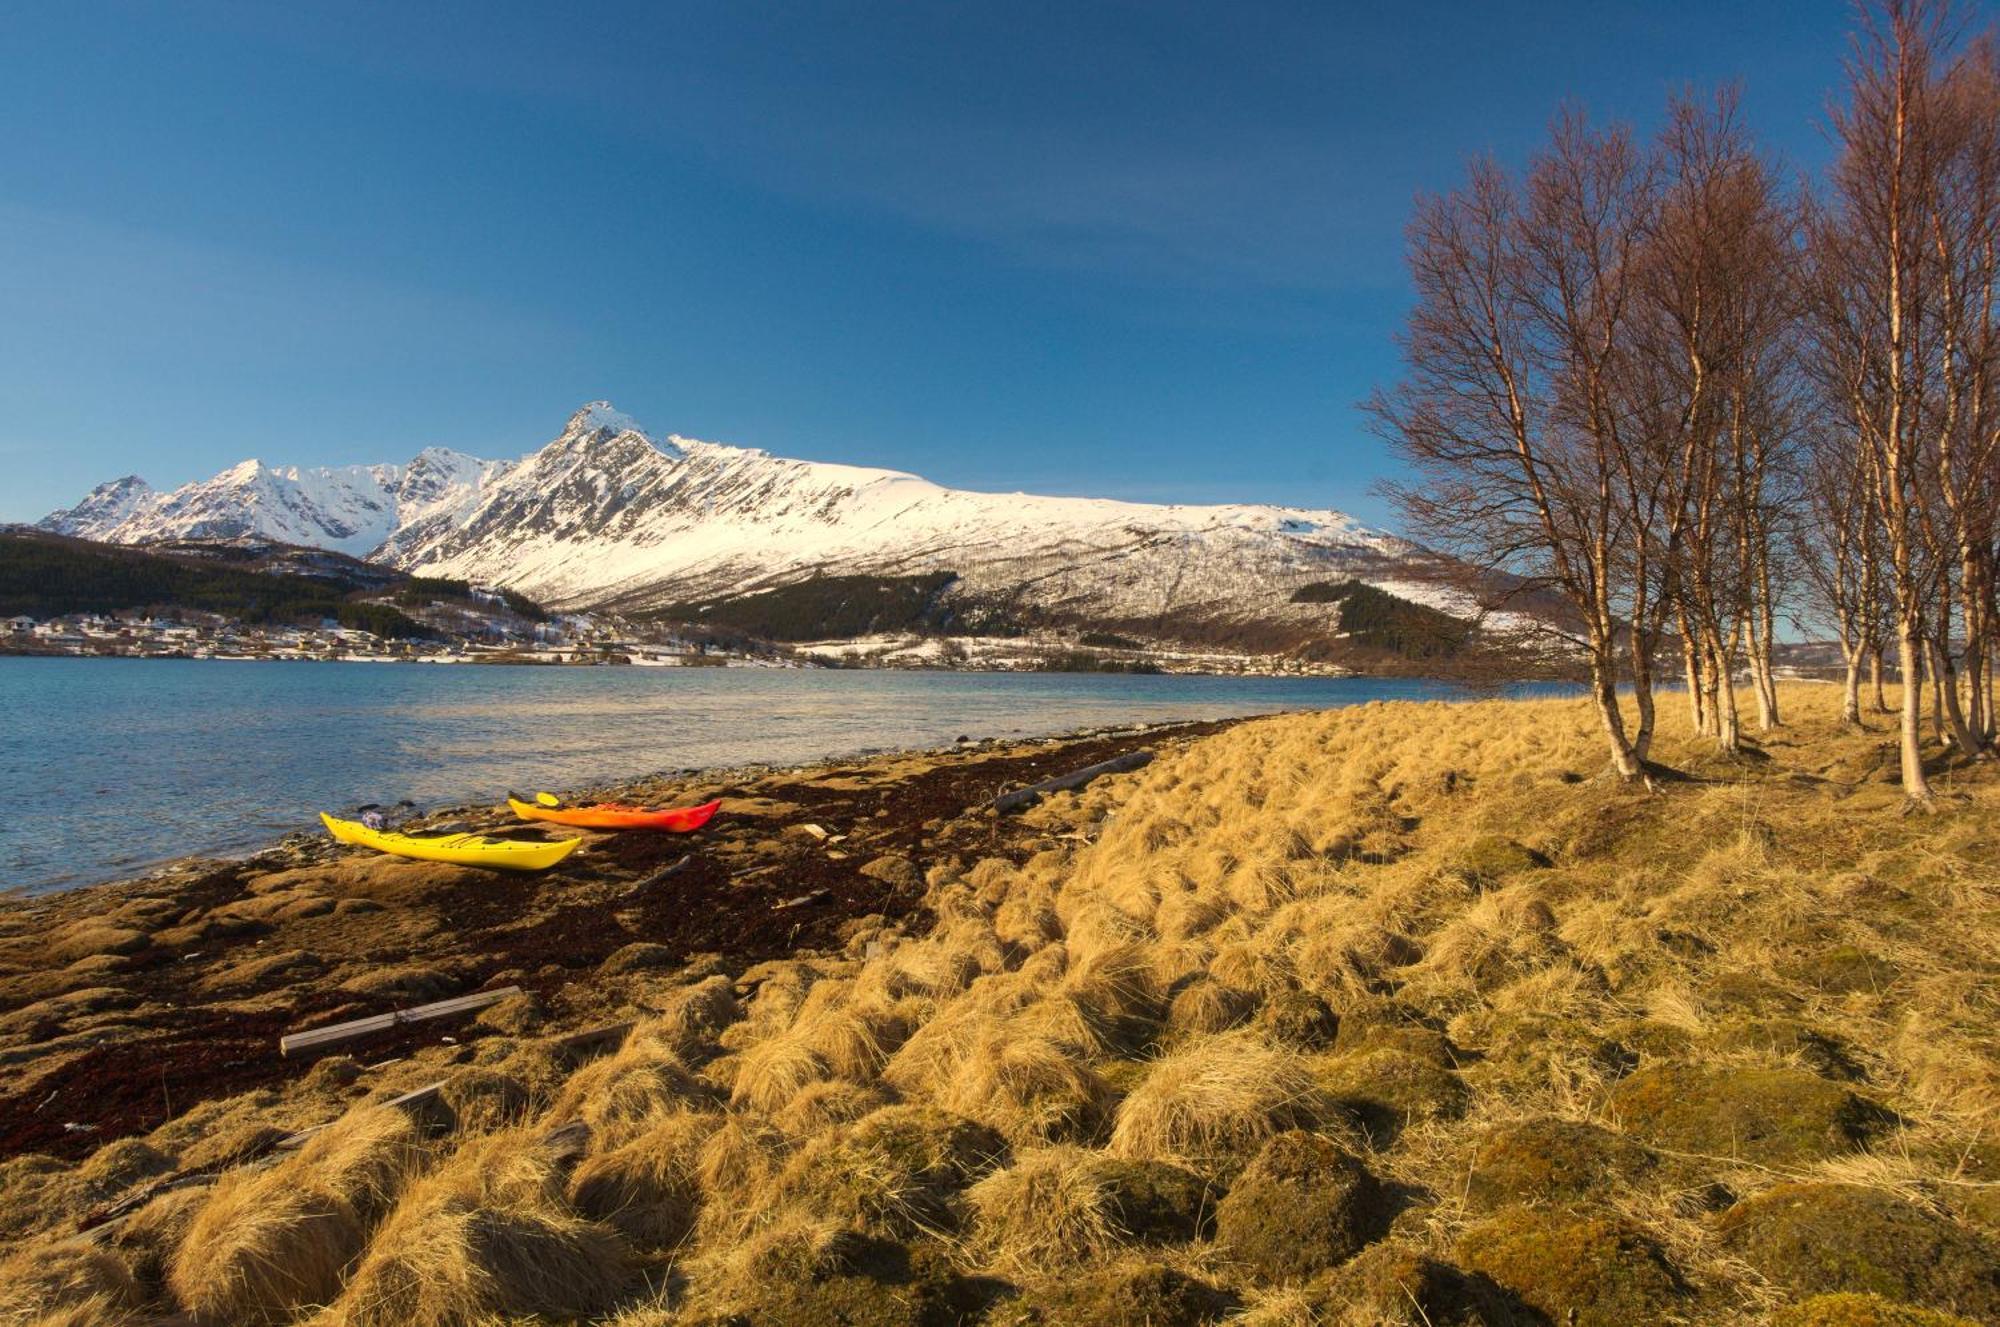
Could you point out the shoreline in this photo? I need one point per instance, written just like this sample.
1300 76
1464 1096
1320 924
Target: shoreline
223 809
197 967
456 810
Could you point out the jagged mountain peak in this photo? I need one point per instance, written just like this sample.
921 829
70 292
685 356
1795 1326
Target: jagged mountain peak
602 434
599 416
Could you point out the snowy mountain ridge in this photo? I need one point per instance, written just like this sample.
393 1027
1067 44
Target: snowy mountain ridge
607 516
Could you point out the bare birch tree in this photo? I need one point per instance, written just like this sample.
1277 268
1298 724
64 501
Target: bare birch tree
1509 411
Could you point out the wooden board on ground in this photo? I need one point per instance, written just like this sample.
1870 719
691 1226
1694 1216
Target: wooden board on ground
1022 798
361 1027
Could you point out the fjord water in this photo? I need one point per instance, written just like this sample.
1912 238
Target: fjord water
109 766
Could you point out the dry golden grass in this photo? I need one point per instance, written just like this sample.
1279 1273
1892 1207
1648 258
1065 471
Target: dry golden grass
1030 1090
489 1233
1051 1209
1215 1099
66 1279
1504 938
648 1189
268 1243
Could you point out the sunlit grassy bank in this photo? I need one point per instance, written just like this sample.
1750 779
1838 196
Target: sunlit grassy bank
1395 1014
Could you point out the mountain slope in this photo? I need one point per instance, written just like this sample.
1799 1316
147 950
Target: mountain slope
606 516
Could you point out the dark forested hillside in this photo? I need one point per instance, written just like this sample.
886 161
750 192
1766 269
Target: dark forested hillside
1376 619
44 576
831 607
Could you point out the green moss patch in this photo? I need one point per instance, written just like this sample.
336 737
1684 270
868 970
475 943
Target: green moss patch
1491 858
897 1172
1122 1296
1813 1238
1841 970
1388 1089
1769 1114
1371 1024
1156 1201
1399 1287
1790 1039
1746 991
863 1282
1862 1311
1551 1161
1299 1019
1599 1268
1302 1205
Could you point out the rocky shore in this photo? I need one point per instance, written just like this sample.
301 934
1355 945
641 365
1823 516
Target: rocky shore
126 1005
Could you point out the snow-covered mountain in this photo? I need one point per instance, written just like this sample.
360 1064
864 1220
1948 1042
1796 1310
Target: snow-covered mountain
605 515
354 508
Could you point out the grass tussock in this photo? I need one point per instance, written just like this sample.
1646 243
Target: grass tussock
1216 1099
490 1232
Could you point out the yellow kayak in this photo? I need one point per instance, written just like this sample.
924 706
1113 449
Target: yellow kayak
464 849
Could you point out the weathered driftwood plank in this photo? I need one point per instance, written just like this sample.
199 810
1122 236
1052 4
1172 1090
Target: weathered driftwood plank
361 1027
1022 798
577 1044
101 1223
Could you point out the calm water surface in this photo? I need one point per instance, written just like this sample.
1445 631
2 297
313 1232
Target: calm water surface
108 766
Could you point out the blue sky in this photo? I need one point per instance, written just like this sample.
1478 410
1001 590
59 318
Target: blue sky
1147 250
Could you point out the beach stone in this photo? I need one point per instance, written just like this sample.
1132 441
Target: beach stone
1302 1205
1590 1269
895 871
1815 1238
1768 1114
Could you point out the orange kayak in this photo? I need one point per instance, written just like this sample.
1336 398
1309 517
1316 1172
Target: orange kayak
611 815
